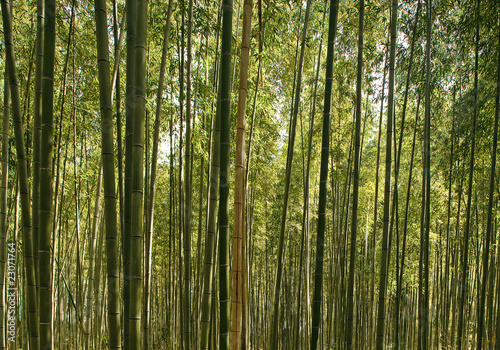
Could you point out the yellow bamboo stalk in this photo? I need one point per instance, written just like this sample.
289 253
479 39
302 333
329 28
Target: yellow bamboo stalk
238 267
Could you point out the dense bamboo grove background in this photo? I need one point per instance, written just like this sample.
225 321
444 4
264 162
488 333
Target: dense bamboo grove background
242 174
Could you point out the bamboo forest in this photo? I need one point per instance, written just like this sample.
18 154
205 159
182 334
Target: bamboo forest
249 174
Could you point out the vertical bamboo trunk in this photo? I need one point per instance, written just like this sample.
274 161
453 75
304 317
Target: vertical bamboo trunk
95 284
237 34
200 229
207 317
375 210
214 339
181 180
26 117
152 188
22 175
423 304
3 202
171 315
118 41
15 239
46 150
325 147
497 112
305 220
407 206
131 8
446 291
238 265
275 315
465 254
489 226
254 110
490 309
37 127
110 215
492 186
246 310
136 230
408 75
59 193
224 86
454 279
186 306
206 308
343 243
78 274
384 265
92 253
60 245
357 150
201 223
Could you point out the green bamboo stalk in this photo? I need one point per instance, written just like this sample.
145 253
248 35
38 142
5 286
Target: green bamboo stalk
465 254
22 175
423 304
225 106
304 245
78 274
110 215
201 223
152 186
37 127
408 75
323 177
206 307
46 193
275 315
118 39
92 253
447 289
357 150
15 238
489 224
180 46
96 287
171 299
136 229
3 202
407 205
384 266
375 208
186 305
497 112
131 8
207 318
58 199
